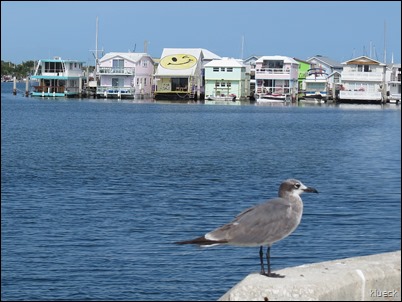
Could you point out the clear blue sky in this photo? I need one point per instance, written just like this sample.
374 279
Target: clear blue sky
340 30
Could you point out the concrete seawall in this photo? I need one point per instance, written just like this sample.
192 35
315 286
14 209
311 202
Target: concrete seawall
367 278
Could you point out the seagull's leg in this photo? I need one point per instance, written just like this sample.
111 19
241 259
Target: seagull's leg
270 274
262 261
269 260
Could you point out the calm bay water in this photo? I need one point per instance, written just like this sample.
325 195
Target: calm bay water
94 192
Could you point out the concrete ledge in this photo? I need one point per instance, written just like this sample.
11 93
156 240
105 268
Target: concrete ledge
367 278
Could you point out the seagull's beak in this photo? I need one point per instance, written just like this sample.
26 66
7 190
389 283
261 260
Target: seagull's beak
310 190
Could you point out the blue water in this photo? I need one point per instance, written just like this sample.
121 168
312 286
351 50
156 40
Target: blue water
94 192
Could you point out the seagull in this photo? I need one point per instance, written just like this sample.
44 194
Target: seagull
263 224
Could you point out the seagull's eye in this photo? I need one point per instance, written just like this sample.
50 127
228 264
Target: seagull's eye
297 185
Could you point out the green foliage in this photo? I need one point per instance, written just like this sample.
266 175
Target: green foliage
20 71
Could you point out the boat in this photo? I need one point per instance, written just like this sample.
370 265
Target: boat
225 100
316 84
58 78
272 98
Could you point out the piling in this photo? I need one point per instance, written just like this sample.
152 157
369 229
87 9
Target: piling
80 87
27 87
14 86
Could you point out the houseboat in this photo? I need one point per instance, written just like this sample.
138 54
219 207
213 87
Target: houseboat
226 82
316 86
363 81
393 80
180 74
125 75
58 78
276 79
322 78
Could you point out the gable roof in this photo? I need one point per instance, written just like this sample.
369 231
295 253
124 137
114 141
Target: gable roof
279 58
327 61
200 54
224 62
130 56
363 60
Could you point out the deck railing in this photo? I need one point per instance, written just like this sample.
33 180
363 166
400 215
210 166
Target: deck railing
114 70
272 71
115 90
362 76
360 95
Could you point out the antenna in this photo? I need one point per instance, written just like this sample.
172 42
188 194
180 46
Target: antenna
385 50
96 47
242 47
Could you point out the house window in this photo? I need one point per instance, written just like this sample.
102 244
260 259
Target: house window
144 63
229 69
145 81
223 84
222 68
215 69
229 84
117 82
118 65
363 68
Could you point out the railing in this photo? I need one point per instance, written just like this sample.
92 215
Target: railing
273 90
115 90
362 76
272 71
359 95
49 89
114 70
55 89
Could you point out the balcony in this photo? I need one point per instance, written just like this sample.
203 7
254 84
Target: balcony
117 71
360 95
362 76
272 71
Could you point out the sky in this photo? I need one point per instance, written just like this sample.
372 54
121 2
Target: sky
340 30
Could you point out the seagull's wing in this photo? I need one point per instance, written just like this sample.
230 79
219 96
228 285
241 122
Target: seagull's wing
260 225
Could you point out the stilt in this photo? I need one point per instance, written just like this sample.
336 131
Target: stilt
14 86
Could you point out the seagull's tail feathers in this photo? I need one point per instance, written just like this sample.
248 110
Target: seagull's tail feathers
202 241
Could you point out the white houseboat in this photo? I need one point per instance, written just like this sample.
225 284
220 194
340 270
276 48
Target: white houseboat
363 81
393 79
316 84
58 78
276 79
125 75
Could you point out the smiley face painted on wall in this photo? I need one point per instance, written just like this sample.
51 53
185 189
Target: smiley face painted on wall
178 61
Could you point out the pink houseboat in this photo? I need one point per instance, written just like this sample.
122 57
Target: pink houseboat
276 79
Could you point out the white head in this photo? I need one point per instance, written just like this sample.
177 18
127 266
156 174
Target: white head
294 187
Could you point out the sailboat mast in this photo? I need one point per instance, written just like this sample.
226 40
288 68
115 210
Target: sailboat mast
96 47
242 47
385 50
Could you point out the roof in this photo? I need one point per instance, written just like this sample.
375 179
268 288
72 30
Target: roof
58 59
278 58
224 62
302 61
327 61
182 61
130 56
363 60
